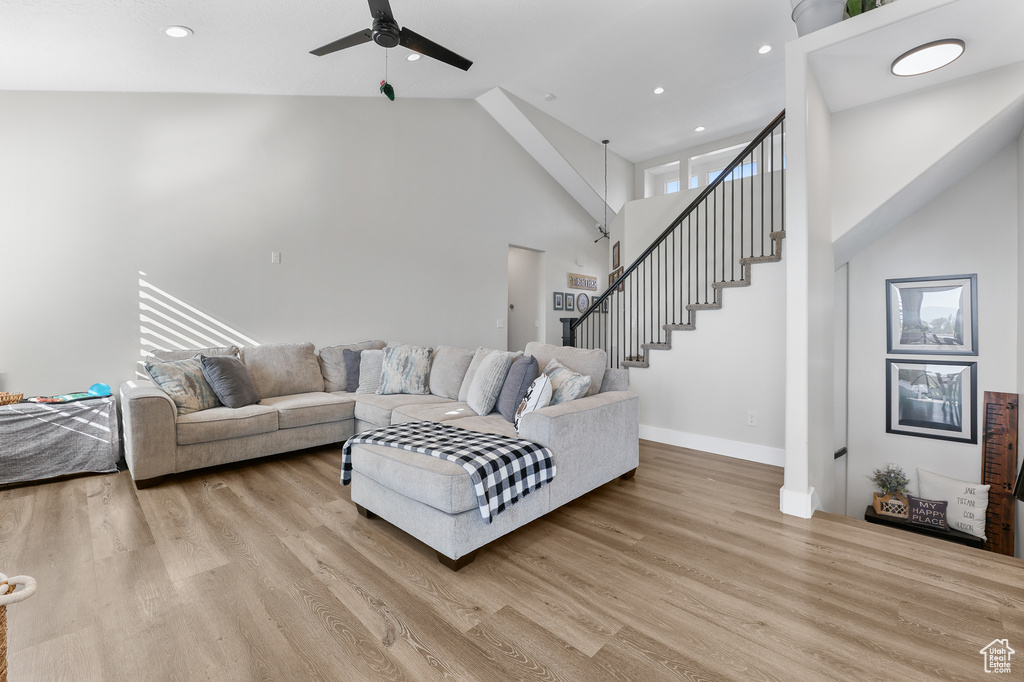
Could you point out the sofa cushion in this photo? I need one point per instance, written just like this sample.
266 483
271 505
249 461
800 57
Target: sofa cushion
304 409
520 375
448 370
566 384
433 412
433 481
184 383
172 355
333 367
222 423
478 357
591 362
492 423
371 362
376 409
283 369
230 380
487 382
405 369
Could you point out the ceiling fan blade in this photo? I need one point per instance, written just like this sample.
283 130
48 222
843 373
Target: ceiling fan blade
414 41
381 9
357 38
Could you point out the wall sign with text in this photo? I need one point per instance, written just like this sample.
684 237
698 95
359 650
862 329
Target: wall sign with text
582 282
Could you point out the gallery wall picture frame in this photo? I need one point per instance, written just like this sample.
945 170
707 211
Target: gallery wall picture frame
558 299
582 302
615 255
932 315
570 300
932 399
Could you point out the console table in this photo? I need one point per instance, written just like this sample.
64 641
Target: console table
44 440
871 516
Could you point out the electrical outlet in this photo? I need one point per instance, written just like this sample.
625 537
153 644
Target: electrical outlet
275 256
501 323
751 417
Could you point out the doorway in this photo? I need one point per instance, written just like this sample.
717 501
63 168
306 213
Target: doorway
525 291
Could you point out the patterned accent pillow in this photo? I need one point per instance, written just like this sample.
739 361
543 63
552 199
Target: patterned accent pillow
538 395
487 382
406 369
566 384
930 513
184 383
370 363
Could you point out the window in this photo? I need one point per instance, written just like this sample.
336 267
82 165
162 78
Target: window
672 186
705 168
661 180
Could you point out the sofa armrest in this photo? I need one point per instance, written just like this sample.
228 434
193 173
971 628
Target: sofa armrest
593 439
615 380
150 436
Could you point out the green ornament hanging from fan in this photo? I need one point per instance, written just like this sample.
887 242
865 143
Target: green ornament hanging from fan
386 88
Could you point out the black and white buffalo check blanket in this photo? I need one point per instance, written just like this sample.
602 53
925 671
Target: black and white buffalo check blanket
504 470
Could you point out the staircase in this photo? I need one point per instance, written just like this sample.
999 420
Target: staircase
737 221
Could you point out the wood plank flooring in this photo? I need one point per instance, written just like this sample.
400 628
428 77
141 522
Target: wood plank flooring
264 571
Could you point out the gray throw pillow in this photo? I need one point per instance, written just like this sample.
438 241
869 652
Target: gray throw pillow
487 382
448 370
175 355
332 364
406 369
230 380
370 363
520 375
184 383
351 359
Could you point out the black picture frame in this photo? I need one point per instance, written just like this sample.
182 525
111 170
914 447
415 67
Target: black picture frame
932 315
932 399
557 300
570 301
615 256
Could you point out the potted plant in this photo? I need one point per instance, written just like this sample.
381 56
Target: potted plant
892 481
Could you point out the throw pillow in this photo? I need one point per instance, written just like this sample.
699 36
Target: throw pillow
230 380
174 355
184 382
474 365
448 370
487 382
370 363
566 384
520 376
351 361
406 369
591 362
283 369
332 364
930 513
538 395
968 502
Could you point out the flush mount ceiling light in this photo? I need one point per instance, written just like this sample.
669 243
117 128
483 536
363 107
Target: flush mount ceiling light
659 90
699 129
178 31
764 49
413 57
928 57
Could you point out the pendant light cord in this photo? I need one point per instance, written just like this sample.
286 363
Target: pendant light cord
605 234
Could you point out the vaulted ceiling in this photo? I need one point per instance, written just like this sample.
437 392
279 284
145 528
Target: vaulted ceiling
599 59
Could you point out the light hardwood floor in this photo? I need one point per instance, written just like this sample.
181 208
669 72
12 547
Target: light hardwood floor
264 571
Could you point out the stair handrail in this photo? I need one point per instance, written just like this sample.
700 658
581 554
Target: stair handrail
722 177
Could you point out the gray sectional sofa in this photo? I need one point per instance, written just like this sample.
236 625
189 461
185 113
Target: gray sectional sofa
594 438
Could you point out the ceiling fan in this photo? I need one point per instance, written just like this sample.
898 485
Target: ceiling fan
385 32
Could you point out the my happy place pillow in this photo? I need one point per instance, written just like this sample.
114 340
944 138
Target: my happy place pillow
967 502
927 513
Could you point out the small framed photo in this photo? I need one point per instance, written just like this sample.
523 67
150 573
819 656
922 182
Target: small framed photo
615 256
932 399
932 315
559 297
570 300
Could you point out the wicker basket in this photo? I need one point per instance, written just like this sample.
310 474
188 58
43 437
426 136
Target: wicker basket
10 398
892 504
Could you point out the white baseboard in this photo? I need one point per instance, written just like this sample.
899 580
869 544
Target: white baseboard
718 446
798 504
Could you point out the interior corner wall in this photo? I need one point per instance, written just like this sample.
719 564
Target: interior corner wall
1019 539
393 221
972 228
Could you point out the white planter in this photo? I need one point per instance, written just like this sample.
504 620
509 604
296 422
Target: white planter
810 15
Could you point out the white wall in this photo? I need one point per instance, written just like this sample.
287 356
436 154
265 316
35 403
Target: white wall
972 228
393 219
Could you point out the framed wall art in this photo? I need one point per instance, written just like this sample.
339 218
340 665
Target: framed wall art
558 298
932 399
932 315
582 302
570 300
615 256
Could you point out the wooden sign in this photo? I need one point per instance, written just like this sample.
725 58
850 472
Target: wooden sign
587 282
999 468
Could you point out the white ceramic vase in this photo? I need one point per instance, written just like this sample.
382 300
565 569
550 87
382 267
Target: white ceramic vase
810 15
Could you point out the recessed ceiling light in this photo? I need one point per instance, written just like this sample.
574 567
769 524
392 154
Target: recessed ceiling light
550 97
699 129
764 49
928 57
178 31
413 57
659 90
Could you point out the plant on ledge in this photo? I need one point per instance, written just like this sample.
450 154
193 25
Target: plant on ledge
893 483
